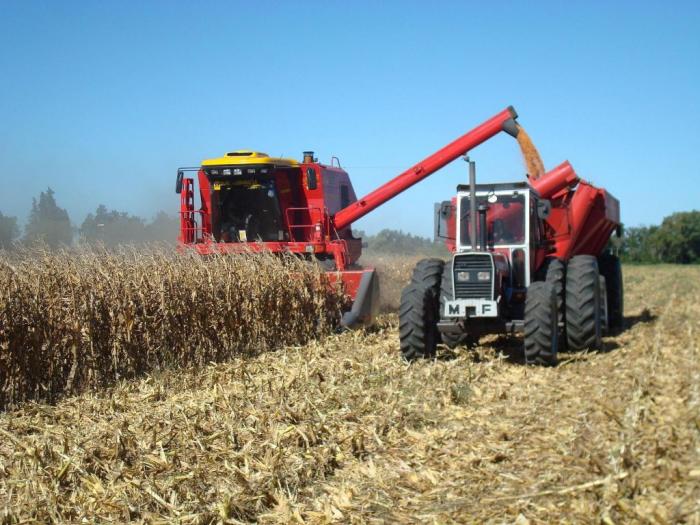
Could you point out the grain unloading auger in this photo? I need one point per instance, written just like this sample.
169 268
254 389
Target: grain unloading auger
250 201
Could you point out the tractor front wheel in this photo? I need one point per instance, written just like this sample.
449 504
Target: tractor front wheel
541 324
418 312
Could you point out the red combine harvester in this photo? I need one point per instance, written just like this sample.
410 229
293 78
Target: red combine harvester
249 201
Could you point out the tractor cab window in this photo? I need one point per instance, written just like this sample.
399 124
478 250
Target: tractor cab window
505 219
248 210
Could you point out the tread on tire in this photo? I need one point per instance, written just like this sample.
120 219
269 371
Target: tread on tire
583 326
418 311
610 268
541 324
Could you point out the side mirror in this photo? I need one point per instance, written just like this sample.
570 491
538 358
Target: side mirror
446 209
178 182
311 181
444 214
544 208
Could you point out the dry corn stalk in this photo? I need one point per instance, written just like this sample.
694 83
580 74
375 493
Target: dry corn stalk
84 319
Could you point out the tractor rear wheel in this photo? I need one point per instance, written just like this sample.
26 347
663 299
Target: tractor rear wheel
452 340
418 312
583 309
611 269
541 324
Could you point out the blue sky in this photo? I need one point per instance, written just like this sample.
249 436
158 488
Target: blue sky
103 101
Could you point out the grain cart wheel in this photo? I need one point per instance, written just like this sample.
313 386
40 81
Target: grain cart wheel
604 327
583 326
554 271
611 269
446 294
418 312
541 324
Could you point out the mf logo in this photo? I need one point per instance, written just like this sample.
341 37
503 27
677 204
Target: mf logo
479 310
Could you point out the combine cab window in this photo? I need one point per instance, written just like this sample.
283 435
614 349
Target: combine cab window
248 210
505 219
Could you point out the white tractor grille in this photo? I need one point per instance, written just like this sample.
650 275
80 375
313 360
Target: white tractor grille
473 265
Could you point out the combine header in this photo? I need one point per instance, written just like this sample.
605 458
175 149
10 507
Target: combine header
509 268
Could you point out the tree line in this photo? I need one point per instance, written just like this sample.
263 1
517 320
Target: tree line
675 240
50 224
396 242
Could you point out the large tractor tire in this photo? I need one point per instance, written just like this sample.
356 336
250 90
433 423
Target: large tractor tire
553 271
418 312
583 308
541 324
610 268
452 340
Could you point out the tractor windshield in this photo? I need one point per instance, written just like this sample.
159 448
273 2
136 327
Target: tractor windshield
505 219
246 210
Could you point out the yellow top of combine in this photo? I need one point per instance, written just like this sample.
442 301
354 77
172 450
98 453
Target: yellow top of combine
244 157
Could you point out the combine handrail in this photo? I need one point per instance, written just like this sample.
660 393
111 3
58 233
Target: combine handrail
322 214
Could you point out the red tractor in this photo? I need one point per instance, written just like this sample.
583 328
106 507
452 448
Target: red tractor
527 257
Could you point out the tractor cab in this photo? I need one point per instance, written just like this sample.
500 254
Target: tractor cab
507 222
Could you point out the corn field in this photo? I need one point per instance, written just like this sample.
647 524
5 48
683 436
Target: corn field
340 429
85 319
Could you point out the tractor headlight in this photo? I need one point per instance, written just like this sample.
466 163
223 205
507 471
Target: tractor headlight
462 276
483 276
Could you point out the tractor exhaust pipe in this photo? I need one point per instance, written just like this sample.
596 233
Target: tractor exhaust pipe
482 226
472 202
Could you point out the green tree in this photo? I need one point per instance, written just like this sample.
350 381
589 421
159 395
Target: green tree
397 242
163 228
9 231
677 240
48 222
635 246
113 228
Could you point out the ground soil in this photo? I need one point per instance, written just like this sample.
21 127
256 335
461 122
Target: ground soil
342 431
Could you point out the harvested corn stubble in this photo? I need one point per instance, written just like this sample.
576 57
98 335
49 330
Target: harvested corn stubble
341 430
